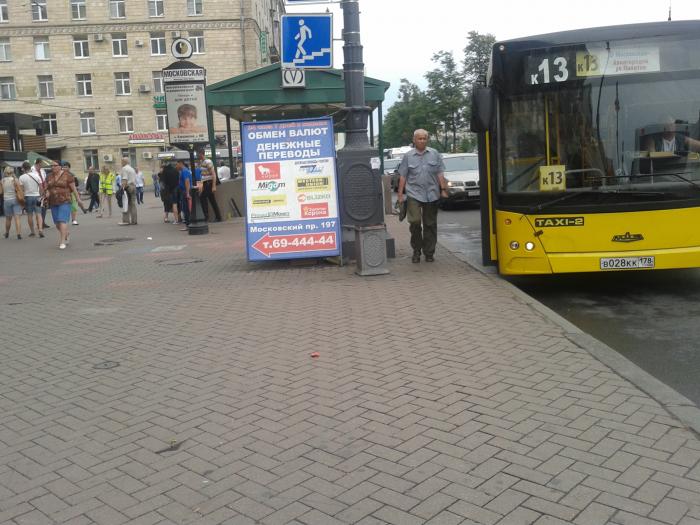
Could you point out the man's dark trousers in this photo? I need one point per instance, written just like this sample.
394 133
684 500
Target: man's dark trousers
208 194
423 236
94 201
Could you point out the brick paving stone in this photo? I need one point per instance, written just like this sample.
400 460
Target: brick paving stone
498 418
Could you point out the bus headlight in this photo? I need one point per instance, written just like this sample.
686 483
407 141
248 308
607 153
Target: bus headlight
529 246
514 245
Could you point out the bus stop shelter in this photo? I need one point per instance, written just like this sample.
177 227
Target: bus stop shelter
258 96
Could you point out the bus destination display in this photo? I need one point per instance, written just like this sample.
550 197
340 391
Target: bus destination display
568 64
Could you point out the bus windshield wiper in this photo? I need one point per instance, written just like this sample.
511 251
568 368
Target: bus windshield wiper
679 176
566 197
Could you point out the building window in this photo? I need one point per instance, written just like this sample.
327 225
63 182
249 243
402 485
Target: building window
158 82
126 121
117 8
84 84
5 51
41 48
49 124
39 11
87 123
90 159
162 119
8 91
81 49
4 15
197 41
78 11
130 153
157 43
194 7
119 45
155 7
45 86
122 84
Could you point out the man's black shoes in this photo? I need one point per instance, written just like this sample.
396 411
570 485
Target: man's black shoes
416 257
429 258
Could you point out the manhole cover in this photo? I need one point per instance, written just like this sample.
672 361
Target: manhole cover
178 262
110 242
106 365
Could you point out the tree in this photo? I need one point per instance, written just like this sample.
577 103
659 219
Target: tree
477 55
413 110
447 92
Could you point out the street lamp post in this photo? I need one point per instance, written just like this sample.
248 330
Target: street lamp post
360 187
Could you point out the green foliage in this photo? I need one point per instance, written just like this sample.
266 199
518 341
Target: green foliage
477 55
443 109
412 111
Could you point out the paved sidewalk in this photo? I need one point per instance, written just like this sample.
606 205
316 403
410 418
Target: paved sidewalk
440 396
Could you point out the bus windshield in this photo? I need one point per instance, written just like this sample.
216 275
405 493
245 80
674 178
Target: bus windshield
609 117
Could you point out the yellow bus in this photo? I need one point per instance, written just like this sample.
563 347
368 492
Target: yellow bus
589 150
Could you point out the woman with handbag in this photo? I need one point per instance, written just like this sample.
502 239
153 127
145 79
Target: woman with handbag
60 187
13 200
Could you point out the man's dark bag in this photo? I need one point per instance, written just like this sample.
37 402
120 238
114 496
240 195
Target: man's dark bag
120 195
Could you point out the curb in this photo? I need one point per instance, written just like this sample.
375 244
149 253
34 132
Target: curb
672 401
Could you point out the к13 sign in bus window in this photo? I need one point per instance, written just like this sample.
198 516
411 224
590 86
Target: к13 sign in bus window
553 178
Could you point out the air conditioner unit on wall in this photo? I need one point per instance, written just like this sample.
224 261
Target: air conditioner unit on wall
139 43
147 155
144 88
99 37
107 158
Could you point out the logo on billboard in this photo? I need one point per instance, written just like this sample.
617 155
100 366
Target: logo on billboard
313 184
270 215
311 169
268 171
264 202
309 197
313 211
271 185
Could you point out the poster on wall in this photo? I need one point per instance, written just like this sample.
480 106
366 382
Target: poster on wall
187 115
291 189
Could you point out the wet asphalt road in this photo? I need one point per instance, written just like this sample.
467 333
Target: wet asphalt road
652 318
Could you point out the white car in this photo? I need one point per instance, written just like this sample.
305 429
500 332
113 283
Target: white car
462 176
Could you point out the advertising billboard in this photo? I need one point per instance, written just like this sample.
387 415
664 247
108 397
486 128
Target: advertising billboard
291 189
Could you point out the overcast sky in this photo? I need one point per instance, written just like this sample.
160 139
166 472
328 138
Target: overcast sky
400 36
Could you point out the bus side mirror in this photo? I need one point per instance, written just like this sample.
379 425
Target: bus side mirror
482 109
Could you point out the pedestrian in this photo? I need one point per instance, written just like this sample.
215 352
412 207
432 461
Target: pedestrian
75 201
184 182
38 173
60 189
92 185
140 183
156 184
128 181
32 187
169 192
209 183
12 200
224 172
106 191
422 177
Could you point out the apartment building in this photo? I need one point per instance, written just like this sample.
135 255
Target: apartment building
92 68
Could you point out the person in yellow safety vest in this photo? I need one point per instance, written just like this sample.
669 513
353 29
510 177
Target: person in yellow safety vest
106 190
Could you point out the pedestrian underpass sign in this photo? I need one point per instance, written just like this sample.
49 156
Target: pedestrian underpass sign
307 41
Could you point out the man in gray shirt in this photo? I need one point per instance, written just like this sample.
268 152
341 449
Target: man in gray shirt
422 177
128 181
